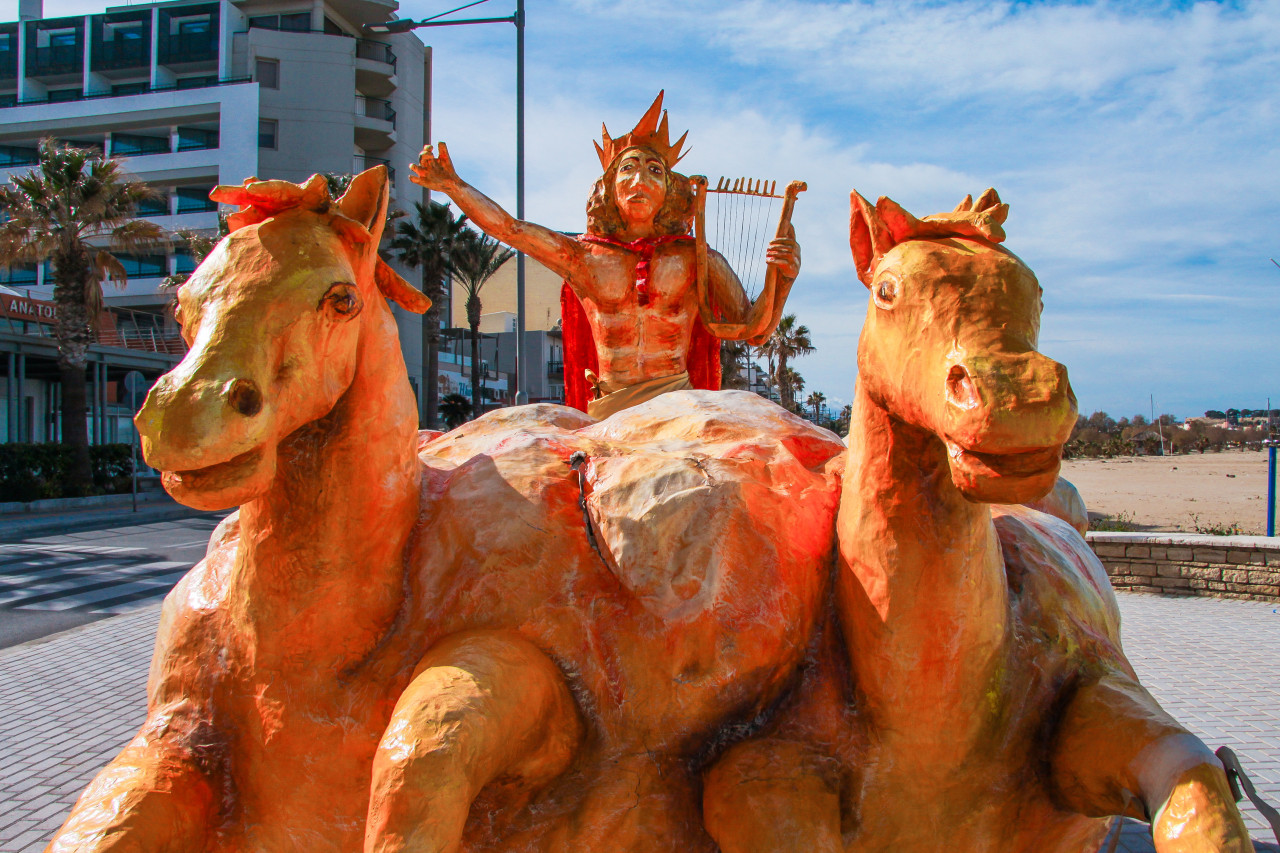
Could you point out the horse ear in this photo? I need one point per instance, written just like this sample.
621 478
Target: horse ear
989 203
870 236
901 224
365 200
398 290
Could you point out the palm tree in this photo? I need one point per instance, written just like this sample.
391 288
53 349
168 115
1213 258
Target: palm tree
427 241
76 210
790 379
454 408
476 258
788 341
815 401
733 363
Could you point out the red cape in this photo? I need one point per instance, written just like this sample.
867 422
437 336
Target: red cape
580 353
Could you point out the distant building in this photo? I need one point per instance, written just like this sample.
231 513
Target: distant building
189 95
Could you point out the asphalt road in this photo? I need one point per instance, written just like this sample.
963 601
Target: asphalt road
53 582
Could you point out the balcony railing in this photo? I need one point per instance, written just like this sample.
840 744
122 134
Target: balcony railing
130 53
56 59
195 200
9 60
154 206
129 145
376 51
188 83
176 48
195 139
363 163
375 108
555 370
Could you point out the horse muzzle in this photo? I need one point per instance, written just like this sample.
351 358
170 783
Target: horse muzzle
1006 419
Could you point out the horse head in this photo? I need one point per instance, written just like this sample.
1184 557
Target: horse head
949 344
274 319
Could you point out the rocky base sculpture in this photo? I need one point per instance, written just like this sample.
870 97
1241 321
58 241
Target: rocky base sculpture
540 632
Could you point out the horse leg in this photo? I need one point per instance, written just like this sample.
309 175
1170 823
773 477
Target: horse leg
1116 751
772 796
154 796
482 706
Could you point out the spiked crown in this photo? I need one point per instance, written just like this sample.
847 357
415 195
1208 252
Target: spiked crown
648 133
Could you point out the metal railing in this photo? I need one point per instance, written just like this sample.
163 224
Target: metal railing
375 108
376 51
207 83
366 162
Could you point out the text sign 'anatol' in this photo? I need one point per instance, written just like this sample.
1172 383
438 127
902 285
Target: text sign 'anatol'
20 308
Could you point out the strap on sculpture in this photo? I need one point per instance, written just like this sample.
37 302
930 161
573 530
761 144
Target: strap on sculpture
1242 786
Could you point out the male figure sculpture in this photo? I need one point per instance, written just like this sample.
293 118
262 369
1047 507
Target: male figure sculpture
634 270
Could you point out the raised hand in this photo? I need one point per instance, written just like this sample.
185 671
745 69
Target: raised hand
784 253
433 171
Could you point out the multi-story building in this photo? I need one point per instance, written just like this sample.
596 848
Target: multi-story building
193 94
544 344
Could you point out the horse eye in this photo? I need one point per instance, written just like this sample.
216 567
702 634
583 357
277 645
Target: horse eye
343 298
886 291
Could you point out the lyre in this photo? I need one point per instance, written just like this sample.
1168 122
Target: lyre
769 303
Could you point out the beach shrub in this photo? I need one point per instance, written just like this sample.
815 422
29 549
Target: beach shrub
1122 522
1216 528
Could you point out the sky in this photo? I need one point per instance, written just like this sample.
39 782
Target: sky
1135 142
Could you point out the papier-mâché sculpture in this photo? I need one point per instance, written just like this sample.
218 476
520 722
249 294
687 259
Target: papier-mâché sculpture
988 706
396 652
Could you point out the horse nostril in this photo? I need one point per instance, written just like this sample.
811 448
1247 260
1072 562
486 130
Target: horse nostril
244 397
960 388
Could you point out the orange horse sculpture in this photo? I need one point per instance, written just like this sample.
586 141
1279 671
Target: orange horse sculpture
530 637
988 704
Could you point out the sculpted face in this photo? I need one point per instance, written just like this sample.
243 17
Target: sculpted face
640 186
950 345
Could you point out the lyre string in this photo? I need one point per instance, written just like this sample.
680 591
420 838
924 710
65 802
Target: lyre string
743 226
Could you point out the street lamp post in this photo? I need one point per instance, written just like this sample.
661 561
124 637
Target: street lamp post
404 26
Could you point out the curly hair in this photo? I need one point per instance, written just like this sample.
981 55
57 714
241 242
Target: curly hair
674 218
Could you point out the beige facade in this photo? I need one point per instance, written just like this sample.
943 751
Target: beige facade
541 299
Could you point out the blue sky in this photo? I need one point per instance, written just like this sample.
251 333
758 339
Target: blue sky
1137 144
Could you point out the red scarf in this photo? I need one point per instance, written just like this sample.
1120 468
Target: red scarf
579 343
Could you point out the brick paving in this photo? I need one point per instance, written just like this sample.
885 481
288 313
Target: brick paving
70 702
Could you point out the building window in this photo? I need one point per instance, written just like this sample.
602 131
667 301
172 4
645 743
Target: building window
129 88
57 96
195 139
129 144
267 132
195 200
267 73
299 22
158 206
144 266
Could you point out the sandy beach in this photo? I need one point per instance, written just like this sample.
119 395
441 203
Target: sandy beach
1176 492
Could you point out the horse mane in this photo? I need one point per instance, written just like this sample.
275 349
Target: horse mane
261 201
873 231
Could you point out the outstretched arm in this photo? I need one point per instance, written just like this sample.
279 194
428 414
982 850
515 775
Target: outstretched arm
558 253
740 318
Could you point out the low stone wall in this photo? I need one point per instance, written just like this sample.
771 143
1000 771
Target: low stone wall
1191 563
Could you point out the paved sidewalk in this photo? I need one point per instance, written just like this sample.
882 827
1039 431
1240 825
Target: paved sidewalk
68 703
17 526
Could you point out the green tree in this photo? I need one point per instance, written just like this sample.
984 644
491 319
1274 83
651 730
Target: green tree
790 340
476 258
426 241
76 210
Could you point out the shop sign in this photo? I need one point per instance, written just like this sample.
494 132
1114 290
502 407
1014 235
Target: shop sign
33 310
